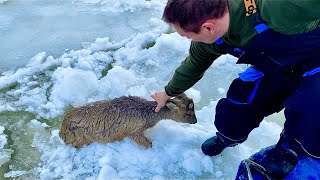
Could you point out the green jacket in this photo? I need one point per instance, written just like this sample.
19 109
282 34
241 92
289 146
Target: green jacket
284 16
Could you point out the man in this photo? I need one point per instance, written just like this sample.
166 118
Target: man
280 39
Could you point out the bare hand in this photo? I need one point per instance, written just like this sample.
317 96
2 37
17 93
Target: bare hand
161 98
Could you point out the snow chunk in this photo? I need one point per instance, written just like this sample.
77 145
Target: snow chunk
5 154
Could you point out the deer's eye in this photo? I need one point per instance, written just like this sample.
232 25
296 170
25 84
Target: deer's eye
191 106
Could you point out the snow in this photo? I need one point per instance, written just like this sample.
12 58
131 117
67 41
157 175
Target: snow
3 1
4 153
139 64
175 154
13 174
2 138
59 26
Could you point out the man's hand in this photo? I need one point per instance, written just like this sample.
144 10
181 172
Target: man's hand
161 98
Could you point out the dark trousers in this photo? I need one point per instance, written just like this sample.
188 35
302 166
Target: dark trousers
284 60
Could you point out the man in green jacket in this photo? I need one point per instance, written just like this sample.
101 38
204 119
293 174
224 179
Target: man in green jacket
280 39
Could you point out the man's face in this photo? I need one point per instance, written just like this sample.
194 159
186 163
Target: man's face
204 35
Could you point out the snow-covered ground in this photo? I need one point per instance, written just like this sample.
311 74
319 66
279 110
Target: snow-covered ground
57 26
34 98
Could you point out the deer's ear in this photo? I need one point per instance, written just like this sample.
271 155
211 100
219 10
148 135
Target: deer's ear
183 96
172 106
176 99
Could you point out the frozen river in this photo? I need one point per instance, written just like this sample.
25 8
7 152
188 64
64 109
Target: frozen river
56 26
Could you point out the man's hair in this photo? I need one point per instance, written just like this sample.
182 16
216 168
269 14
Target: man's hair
191 14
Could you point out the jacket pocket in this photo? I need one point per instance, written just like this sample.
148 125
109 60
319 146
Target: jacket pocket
243 89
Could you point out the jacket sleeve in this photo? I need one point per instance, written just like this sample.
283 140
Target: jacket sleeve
191 70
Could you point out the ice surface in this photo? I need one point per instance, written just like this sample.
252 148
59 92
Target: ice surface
29 27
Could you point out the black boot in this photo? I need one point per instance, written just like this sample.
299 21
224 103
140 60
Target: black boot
287 141
280 162
281 159
273 162
216 144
